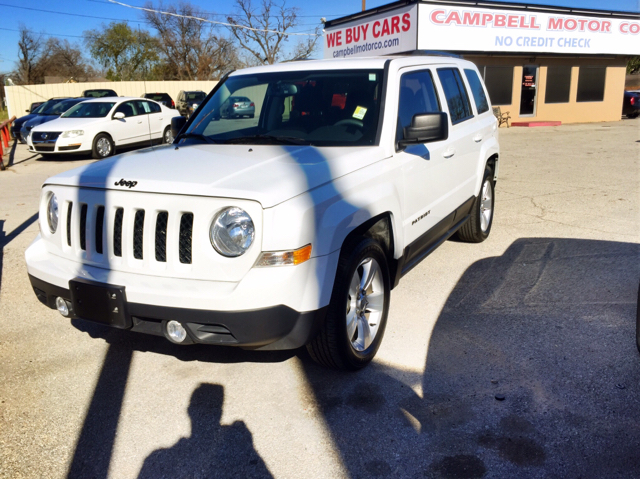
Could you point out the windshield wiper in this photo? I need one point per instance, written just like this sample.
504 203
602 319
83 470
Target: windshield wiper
288 140
199 136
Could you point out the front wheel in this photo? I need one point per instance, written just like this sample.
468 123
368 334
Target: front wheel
478 227
357 315
103 147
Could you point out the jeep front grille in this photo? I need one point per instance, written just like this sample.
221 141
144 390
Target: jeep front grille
128 224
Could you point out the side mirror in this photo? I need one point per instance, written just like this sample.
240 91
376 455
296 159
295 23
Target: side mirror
118 115
177 123
426 128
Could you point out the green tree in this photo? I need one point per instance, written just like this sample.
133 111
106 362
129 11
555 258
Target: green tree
633 66
127 54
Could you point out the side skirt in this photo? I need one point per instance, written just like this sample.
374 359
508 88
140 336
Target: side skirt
423 246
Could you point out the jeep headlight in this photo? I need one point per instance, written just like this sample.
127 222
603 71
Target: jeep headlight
232 232
72 133
52 213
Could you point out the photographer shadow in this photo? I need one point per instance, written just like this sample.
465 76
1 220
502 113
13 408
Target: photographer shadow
212 450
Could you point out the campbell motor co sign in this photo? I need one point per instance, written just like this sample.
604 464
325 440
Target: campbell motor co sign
425 26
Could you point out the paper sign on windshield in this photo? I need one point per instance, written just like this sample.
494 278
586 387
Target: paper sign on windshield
360 112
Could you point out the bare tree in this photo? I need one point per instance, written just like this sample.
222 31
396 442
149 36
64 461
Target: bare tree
67 61
191 49
32 49
265 33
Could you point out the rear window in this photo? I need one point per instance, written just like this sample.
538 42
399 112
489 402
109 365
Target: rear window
195 96
157 96
456 94
99 93
477 91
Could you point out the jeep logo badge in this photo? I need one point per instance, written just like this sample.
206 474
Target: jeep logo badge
128 184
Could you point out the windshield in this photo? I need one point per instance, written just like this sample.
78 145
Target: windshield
90 110
48 107
63 106
38 109
323 108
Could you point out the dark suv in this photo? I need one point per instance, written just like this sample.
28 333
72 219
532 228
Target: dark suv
188 101
162 98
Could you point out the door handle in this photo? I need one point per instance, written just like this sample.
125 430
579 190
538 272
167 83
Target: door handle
139 122
477 138
449 153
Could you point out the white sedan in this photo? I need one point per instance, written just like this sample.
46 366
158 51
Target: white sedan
100 126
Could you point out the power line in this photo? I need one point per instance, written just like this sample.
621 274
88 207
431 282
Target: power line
72 14
49 34
232 14
232 25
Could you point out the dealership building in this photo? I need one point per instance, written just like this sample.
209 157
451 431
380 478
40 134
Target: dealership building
539 63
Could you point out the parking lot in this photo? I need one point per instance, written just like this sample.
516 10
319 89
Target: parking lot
515 357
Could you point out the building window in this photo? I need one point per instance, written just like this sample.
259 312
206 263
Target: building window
591 83
456 94
478 92
558 84
499 83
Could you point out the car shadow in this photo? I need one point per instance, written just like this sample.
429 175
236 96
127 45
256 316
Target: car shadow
531 371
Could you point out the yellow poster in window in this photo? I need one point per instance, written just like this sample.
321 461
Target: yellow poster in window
360 112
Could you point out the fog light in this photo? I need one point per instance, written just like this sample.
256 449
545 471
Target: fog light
176 332
62 307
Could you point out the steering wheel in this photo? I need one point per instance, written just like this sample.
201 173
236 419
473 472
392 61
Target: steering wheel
350 122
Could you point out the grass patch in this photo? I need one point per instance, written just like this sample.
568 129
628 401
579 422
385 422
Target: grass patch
4 115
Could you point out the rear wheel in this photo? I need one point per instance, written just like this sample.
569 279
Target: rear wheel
357 316
167 136
103 146
478 227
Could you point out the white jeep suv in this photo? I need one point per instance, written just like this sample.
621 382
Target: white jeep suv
283 230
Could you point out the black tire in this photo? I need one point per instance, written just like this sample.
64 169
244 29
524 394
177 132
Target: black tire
472 231
333 347
251 116
99 153
164 135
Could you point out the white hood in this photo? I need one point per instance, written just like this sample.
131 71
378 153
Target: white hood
64 124
267 174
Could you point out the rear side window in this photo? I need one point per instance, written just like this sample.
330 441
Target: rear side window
417 96
478 92
456 94
153 107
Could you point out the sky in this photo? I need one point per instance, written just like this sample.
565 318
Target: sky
67 19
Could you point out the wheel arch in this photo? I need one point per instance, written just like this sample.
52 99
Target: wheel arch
379 228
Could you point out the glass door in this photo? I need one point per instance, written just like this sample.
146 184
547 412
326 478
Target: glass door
529 90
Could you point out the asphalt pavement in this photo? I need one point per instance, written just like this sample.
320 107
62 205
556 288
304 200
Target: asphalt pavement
515 357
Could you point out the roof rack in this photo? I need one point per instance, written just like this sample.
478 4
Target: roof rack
424 53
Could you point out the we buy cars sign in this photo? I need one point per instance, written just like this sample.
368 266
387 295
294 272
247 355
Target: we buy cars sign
381 34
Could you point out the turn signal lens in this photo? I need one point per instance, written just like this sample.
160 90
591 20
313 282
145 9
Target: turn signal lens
284 258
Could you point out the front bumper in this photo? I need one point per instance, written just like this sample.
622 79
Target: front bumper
272 328
60 145
269 308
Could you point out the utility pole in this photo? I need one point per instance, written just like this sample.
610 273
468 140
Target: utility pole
364 7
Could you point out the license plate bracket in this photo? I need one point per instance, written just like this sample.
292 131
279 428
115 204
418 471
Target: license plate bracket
100 302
